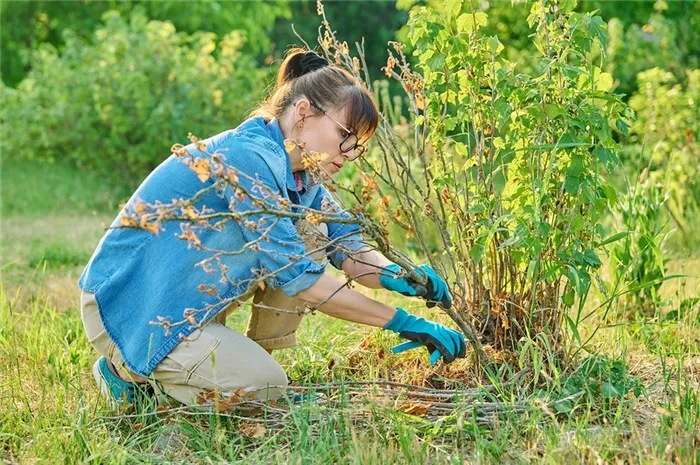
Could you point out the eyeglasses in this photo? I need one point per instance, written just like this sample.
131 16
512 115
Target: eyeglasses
350 142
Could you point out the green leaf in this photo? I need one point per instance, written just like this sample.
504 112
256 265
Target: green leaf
531 267
495 44
567 6
654 282
477 252
603 81
613 238
568 298
551 272
571 184
435 62
536 11
503 109
553 110
544 228
609 390
564 407
609 193
450 123
461 148
576 167
580 278
591 258
605 156
468 22
623 127
603 96
573 326
598 29
452 8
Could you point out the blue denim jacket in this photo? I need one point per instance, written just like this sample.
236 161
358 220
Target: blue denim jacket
138 276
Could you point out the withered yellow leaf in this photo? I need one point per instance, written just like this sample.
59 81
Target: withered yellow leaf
420 101
239 395
504 322
152 228
201 169
289 145
140 208
366 342
252 430
191 237
418 410
127 221
189 212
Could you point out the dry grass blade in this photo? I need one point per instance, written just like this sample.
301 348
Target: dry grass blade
358 403
410 388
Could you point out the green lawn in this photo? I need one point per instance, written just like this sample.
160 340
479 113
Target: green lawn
53 217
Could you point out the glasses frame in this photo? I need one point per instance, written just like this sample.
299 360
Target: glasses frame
357 147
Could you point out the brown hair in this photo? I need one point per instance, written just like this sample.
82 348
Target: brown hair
305 73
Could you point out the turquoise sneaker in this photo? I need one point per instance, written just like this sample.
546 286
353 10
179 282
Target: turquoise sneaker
298 399
117 391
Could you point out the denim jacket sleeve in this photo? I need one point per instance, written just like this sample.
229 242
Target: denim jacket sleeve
280 249
345 237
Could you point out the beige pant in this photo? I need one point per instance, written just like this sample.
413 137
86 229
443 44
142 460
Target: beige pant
215 358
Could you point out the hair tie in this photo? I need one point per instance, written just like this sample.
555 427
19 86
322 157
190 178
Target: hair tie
311 61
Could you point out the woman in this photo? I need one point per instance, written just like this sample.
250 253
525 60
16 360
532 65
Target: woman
136 280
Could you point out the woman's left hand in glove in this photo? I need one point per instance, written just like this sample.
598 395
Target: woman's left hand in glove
441 341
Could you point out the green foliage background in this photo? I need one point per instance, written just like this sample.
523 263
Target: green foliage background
109 86
113 104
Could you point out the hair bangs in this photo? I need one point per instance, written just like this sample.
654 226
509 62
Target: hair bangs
361 113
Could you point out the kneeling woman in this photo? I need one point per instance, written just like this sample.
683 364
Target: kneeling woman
135 278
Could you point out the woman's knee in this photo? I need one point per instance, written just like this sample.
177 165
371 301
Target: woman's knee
242 364
269 381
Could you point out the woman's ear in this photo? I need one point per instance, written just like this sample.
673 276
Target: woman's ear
302 110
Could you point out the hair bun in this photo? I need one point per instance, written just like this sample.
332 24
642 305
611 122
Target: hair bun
311 61
299 62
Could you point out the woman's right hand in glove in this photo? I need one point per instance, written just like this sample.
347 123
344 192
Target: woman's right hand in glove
435 290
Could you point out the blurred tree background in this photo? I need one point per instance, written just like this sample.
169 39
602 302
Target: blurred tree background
108 86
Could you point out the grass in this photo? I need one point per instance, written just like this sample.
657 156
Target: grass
51 412
33 188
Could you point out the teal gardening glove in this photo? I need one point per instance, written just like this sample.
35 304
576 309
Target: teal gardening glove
440 340
434 291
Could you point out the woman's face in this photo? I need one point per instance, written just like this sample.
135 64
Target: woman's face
322 134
